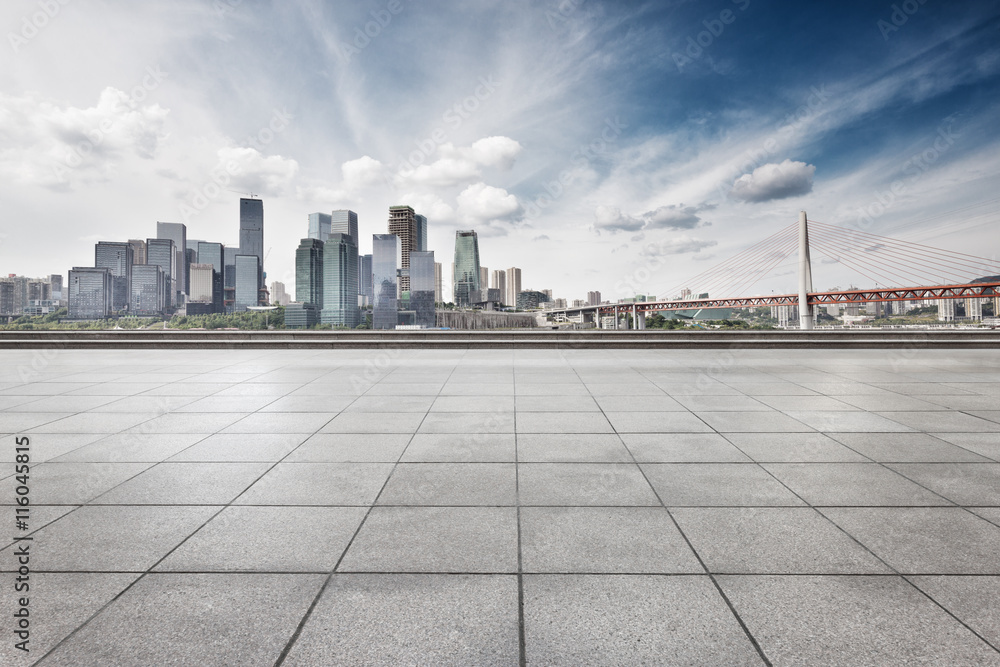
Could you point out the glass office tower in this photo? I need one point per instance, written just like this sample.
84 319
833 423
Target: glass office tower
340 282
247 282
90 291
345 222
365 278
214 254
252 234
319 226
385 254
163 253
118 258
421 244
422 288
467 285
148 290
176 232
309 272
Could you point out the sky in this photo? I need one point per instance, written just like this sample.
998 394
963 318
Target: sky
620 146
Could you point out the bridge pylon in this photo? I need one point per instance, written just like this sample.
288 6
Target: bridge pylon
806 317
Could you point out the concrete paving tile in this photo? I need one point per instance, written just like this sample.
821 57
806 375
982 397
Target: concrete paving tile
851 484
773 540
583 484
59 603
793 448
555 404
374 422
281 422
122 448
406 389
682 448
468 422
45 446
657 422
717 484
722 404
435 539
19 422
973 600
896 402
961 483
414 484
637 388
828 421
323 403
543 390
188 422
393 404
924 540
809 403
226 404
64 403
112 539
905 447
248 389
991 514
38 517
845 389
145 404
562 422
655 403
350 447
990 415
473 404
318 484
464 388
604 539
630 620
364 619
185 484
204 619
851 621
74 483
984 444
268 539
571 448
460 447
955 422
242 447
700 387
753 422
772 389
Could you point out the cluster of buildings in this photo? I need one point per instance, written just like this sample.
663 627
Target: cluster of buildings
20 295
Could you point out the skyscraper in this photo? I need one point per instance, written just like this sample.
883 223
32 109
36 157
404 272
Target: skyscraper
118 257
438 291
278 294
176 232
421 242
229 277
319 226
340 282
252 234
163 253
247 282
500 283
309 272
593 298
513 286
403 223
385 253
345 222
484 282
422 288
138 251
365 278
90 293
148 290
201 289
467 285
214 254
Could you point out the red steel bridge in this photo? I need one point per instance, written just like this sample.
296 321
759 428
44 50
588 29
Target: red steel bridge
896 265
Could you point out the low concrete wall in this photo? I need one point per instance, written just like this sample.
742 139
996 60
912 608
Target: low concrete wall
539 338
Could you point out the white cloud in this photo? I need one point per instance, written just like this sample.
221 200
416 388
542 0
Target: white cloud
611 219
484 206
362 172
271 175
775 181
60 147
458 165
680 245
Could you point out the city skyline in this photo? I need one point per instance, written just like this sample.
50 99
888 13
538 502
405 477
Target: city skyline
903 146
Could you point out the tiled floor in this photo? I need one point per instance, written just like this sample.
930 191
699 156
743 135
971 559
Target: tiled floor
498 507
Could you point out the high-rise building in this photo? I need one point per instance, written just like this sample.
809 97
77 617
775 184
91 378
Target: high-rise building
385 254
484 282
56 281
202 287
247 282
117 257
438 291
252 235
301 315
593 298
138 251
500 283
365 289
421 243
309 272
319 226
176 232
467 275
422 288
403 223
513 286
90 293
278 294
163 253
340 282
229 277
345 222
148 290
214 254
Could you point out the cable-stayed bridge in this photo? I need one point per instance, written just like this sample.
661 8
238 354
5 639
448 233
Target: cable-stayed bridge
900 271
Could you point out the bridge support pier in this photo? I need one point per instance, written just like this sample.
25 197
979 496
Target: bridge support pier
806 317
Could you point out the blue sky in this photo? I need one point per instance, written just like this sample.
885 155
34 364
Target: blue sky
623 147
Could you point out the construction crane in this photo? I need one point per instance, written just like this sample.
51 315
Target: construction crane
248 194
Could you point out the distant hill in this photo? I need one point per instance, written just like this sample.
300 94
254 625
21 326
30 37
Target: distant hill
987 279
